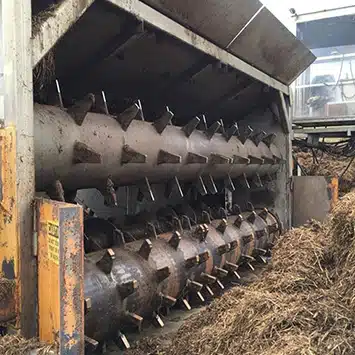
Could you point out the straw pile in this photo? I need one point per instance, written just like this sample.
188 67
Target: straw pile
16 345
329 166
303 305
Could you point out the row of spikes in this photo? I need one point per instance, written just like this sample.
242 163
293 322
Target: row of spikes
204 184
84 154
79 110
192 287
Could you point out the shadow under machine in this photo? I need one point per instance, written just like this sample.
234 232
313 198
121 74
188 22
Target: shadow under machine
162 155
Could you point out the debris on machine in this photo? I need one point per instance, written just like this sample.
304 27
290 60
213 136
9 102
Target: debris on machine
303 305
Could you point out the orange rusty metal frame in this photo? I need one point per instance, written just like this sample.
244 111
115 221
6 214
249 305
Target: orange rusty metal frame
9 242
60 275
333 186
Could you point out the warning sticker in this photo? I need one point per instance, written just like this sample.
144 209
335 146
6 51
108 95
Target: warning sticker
53 242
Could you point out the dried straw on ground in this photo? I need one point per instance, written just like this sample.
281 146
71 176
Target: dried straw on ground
16 345
303 305
329 166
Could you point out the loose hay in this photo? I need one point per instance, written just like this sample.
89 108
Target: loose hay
16 345
304 305
329 166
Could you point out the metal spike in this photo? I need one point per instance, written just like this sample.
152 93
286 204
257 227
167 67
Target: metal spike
269 139
91 345
236 275
246 135
222 130
255 160
186 304
105 264
161 123
200 232
135 319
203 125
186 223
128 115
262 259
203 257
201 188
146 190
236 209
210 184
199 295
244 181
228 184
151 231
264 214
223 249
131 156
165 157
206 217
231 131
208 290
251 267
177 224
191 262
238 221
122 341
257 137
222 227
173 185
207 278
167 301
221 273
145 249
193 158
257 180
87 305
240 160
222 213
252 217
84 154
157 321
191 126
103 103
163 273
217 159
110 197
80 109
220 285
175 239
250 206
212 130
128 288
267 160
230 266
194 286
59 93
56 191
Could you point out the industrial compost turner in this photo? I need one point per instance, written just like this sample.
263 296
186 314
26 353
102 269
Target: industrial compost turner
157 152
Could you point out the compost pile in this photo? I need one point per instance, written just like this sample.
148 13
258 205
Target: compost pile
305 303
327 165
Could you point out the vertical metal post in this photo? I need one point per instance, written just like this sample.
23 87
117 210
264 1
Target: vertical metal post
18 112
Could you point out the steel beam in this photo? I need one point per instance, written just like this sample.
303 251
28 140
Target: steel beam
18 112
52 29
